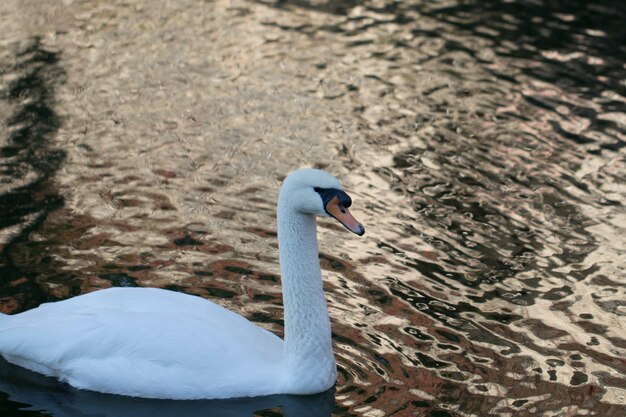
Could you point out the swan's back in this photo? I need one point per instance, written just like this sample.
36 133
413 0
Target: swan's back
145 342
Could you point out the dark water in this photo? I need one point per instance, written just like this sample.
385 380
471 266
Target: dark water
483 143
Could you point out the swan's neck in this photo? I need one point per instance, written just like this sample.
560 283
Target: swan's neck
308 344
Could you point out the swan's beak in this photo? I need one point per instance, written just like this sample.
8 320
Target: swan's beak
341 213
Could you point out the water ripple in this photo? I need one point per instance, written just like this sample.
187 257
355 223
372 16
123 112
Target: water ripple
482 143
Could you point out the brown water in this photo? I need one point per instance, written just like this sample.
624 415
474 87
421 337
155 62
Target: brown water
483 143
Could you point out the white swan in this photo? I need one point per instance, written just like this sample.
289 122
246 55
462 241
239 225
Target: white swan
153 343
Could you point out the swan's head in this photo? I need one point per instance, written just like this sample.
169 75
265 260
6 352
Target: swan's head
312 191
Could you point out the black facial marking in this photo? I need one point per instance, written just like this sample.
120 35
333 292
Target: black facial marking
328 194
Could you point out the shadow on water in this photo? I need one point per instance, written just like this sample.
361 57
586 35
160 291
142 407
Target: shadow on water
29 391
28 159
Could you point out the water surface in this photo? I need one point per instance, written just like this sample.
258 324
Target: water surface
483 144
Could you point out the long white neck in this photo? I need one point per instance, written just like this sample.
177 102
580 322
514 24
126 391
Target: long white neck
308 345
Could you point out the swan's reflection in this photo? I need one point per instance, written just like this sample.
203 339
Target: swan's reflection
60 400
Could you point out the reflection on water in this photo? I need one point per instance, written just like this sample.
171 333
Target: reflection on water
482 142
29 160
60 400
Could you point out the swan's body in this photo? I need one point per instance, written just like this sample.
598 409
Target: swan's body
154 343
143 342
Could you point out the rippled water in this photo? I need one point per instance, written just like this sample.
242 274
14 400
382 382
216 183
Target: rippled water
483 143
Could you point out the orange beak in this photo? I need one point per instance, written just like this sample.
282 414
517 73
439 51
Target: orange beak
339 212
